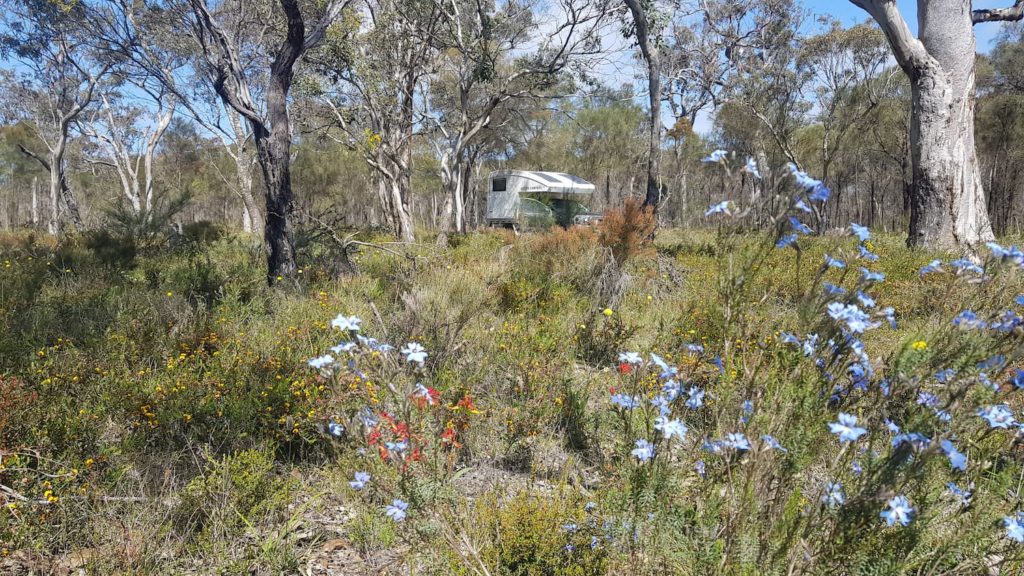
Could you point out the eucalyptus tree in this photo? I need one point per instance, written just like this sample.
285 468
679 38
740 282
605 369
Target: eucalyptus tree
491 55
128 133
229 35
645 27
948 207
53 85
369 86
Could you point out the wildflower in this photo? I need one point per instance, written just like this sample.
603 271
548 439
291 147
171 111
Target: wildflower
802 206
856 468
715 157
856 320
1015 527
1012 253
346 323
865 300
833 290
899 510
927 399
590 506
919 345
869 276
810 343
773 443
666 370
748 406
968 320
1006 322
396 511
932 267
817 191
957 460
963 496
997 416
426 395
397 447
322 362
701 469
916 440
359 481
751 168
799 226
945 375
834 263
671 428
1019 300
696 399
861 232
1018 378
570 527
786 240
644 450
866 254
607 312
889 314
724 207
624 401
834 496
787 338
737 441
892 426
414 353
343 347
630 358
963 265
846 428
335 429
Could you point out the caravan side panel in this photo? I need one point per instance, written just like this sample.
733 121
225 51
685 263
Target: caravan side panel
502 200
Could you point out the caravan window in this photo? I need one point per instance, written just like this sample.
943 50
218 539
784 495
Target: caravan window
498 185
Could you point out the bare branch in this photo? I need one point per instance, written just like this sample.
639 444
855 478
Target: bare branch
1012 14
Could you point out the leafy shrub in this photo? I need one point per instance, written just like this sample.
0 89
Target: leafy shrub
628 230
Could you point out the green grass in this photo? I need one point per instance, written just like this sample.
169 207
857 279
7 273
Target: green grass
158 416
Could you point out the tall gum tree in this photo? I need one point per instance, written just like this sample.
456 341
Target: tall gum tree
947 200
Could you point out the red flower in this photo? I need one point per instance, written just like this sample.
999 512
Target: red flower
625 368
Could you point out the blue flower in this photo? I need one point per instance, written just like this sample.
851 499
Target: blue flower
802 206
833 262
696 399
834 497
899 511
1015 527
846 428
963 496
359 480
932 267
666 370
1012 253
322 362
624 401
856 320
890 315
1018 378
787 338
997 416
1019 300
892 426
343 347
799 226
865 300
737 441
1006 322
346 323
671 428
716 157
916 440
817 191
720 208
927 399
968 320
956 458
414 352
630 358
944 376
751 168
856 468
773 443
861 232
701 469
335 429
833 290
398 447
786 240
644 450
963 265
570 527
748 406
866 254
870 276
396 511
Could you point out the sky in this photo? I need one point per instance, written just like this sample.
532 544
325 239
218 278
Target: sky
624 68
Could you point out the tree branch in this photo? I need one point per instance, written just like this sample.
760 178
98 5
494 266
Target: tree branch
1012 14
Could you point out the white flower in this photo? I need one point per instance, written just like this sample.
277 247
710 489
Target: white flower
414 353
346 323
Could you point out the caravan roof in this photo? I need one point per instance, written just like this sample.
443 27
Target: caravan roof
533 182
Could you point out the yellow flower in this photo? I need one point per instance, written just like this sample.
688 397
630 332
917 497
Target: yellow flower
607 312
169 294
919 345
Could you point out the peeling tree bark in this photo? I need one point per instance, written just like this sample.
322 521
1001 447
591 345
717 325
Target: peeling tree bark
947 198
